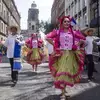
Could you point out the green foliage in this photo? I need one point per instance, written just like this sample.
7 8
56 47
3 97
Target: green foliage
46 27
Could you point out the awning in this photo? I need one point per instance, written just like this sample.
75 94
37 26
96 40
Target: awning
94 22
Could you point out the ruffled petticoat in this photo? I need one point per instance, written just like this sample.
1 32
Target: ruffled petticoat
34 56
66 68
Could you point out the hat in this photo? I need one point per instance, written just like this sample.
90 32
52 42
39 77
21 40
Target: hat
15 27
88 29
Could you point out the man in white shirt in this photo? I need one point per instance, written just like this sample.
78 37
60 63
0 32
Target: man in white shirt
89 52
10 44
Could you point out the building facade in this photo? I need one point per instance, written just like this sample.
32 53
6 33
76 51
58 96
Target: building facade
84 11
32 22
58 10
95 15
9 15
33 19
80 10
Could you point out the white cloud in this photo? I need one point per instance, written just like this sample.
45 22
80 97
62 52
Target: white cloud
43 5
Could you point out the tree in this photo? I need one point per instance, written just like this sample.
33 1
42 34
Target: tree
41 26
46 27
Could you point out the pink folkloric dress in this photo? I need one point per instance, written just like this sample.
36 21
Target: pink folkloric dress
66 64
34 55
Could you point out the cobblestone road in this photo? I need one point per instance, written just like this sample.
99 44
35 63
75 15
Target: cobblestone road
39 86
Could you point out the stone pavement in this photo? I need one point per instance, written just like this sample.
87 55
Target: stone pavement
39 86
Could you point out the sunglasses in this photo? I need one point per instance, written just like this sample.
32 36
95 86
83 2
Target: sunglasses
66 21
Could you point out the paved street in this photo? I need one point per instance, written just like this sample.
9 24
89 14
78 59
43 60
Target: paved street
32 86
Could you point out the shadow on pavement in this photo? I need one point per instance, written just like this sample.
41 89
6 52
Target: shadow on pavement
83 80
5 83
43 73
32 94
91 94
52 97
28 73
5 67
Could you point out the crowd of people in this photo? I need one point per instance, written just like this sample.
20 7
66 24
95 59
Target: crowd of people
67 48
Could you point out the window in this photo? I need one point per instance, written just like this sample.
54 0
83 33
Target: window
6 30
95 13
69 8
32 27
0 8
72 6
75 7
85 2
29 24
85 19
8 16
79 20
4 13
79 5
67 11
1 27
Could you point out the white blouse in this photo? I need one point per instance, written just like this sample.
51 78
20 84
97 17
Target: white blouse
34 43
66 41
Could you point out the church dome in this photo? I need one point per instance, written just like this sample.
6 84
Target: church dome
33 5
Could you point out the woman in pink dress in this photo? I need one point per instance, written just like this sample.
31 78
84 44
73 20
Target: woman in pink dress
66 61
34 56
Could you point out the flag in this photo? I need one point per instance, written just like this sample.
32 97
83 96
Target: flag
74 21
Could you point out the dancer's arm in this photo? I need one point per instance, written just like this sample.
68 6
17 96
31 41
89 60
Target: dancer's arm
51 36
27 43
80 36
50 41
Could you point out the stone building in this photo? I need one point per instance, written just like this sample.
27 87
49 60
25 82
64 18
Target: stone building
9 15
58 10
33 21
84 11
95 15
80 10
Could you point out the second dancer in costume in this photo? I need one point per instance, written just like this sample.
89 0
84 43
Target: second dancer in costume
66 61
34 56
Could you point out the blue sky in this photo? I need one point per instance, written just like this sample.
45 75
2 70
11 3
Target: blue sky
43 5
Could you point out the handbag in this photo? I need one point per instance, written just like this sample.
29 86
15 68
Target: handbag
17 65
